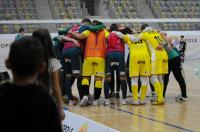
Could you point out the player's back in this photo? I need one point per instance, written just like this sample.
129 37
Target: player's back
152 37
153 40
139 47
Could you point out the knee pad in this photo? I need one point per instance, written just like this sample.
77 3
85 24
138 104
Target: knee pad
98 84
143 81
134 81
153 79
85 82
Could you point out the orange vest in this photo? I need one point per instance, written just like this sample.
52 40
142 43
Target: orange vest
96 44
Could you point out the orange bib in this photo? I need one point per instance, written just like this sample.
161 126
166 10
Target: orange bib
96 44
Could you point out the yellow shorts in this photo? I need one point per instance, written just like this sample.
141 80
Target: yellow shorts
159 63
94 66
139 65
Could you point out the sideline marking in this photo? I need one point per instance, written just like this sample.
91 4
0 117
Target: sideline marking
151 119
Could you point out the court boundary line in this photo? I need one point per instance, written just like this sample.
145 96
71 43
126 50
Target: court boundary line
151 119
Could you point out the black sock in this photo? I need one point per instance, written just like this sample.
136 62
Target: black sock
129 83
106 88
97 93
85 90
67 84
124 88
79 86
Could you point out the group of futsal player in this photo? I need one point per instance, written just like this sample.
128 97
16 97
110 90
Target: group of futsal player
89 49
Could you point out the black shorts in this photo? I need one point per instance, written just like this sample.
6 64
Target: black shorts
127 64
72 61
115 60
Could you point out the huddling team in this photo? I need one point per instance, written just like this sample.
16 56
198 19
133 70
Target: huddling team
90 49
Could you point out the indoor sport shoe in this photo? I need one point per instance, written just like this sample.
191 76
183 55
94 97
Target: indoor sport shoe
158 102
90 99
142 102
71 103
153 96
96 102
106 102
135 102
124 102
180 98
84 101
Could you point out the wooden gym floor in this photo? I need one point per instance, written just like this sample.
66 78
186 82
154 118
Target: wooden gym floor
171 117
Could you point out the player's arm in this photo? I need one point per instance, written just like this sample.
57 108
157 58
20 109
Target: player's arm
78 35
127 38
65 38
167 41
91 28
96 28
106 33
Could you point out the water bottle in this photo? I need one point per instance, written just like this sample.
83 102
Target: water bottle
197 73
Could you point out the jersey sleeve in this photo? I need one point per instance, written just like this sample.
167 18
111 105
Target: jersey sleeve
86 33
54 65
106 33
126 38
142 36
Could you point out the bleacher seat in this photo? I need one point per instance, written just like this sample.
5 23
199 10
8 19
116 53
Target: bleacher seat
176 9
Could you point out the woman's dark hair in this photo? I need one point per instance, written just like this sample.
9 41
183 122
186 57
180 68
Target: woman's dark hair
113 27
26 56
144 26
44 36
126 30
96 23
21 30
86 20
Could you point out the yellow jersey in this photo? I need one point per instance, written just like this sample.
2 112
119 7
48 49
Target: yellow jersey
136 48
153 38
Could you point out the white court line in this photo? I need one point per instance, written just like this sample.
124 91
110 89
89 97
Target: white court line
191 95
105 114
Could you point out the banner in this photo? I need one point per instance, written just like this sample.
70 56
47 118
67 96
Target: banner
77 123
192 39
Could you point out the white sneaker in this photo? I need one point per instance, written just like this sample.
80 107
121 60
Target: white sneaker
96 102
84 101
124 102
106 102
153 96
142 102
71 103
180 98
135 102
90 99
129 94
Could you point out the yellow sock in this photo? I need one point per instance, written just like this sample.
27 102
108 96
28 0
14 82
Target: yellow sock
98 84
135 92
162 87
143 92
85 82
157 87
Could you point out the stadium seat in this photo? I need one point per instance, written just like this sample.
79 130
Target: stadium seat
176 9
